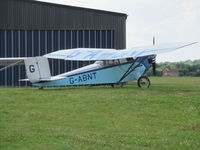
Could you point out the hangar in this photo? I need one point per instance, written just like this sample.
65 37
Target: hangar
33 28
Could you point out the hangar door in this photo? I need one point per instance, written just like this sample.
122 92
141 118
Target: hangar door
28 43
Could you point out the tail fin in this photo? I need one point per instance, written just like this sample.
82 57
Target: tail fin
37 69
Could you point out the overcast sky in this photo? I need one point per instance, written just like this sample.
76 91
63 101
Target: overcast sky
167 20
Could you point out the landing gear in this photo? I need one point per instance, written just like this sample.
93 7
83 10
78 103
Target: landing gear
41 88
118 85
143 82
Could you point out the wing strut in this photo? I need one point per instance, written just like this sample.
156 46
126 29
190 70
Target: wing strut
16 63
132 68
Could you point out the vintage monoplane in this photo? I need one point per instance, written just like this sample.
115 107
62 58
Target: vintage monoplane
111 66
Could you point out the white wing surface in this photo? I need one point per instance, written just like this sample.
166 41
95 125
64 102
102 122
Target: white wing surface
88 54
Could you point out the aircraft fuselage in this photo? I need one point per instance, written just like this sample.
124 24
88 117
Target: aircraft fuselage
98 73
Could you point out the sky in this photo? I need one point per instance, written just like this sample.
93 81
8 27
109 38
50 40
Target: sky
167 20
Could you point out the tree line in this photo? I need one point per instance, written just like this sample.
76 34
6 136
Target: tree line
185 68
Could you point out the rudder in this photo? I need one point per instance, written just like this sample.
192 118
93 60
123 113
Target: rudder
37 68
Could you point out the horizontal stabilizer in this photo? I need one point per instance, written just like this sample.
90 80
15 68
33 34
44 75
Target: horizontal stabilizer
11 61
44 79
23 80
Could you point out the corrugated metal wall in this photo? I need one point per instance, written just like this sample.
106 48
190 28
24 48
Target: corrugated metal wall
33 15
29 28
27 43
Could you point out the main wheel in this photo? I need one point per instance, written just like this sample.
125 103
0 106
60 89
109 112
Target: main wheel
143 82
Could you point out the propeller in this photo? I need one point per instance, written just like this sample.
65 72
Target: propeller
154 66
153 60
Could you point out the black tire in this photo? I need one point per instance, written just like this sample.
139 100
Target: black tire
143 82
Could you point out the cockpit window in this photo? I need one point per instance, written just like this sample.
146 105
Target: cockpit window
114 62
129 59
111 62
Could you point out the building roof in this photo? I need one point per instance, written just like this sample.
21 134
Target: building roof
76 7
37 15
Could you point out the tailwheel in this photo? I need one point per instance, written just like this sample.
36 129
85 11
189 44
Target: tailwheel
143 82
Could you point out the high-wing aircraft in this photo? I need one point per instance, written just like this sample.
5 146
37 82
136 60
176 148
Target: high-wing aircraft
111 66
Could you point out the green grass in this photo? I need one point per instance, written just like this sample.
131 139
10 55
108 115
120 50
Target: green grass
163 117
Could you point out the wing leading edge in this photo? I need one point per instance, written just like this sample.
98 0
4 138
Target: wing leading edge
88 54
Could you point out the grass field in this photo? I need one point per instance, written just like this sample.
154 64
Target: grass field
163 117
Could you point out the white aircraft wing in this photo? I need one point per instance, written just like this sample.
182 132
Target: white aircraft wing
88 54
